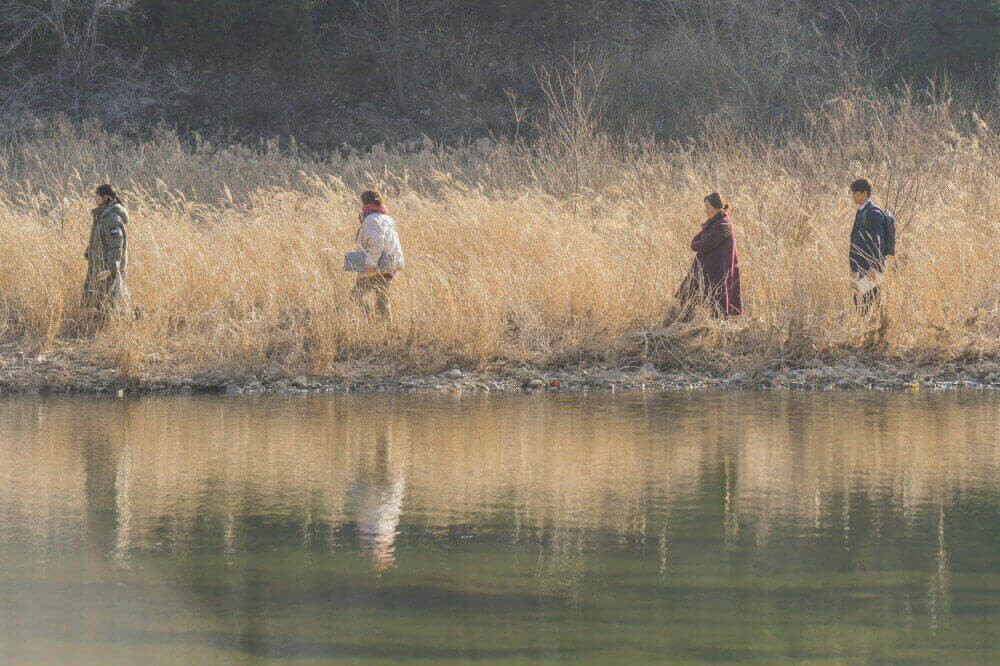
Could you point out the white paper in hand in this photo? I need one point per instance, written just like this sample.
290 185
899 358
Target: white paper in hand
866 284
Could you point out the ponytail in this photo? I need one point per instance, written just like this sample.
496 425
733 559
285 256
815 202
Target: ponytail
109 192
715 201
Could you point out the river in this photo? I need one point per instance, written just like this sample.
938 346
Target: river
703 528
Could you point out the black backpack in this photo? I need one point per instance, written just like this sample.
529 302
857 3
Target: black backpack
888 232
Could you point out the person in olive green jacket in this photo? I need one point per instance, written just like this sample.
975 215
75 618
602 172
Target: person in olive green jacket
104 291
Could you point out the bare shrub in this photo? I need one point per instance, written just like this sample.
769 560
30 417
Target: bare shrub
388 30
69 68
756 62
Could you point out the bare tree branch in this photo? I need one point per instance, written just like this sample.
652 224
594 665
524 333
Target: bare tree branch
78 67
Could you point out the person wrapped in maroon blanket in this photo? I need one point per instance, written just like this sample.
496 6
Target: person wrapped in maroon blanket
715 273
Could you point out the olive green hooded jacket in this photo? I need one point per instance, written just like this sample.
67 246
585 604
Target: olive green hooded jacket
108 248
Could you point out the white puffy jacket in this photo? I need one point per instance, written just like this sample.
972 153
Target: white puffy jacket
377 235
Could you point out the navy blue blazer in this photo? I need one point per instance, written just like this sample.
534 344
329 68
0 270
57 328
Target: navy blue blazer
867 240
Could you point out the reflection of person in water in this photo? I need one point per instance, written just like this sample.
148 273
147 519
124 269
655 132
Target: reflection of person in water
378 496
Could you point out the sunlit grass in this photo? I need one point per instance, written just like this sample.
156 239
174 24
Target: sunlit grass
542 255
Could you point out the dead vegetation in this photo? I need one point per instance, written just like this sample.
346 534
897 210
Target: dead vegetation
519 254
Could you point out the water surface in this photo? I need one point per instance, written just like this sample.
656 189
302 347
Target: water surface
692 528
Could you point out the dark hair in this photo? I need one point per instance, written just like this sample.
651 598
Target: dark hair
715 201
372 198
862 185
108 191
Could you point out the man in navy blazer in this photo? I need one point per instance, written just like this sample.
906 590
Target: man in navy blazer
867 253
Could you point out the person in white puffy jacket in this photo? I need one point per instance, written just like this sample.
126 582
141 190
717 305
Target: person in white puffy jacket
378 239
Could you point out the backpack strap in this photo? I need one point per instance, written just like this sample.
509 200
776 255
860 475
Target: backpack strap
874 209
881 213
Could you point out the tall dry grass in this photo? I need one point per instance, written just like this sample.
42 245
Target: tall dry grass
563 250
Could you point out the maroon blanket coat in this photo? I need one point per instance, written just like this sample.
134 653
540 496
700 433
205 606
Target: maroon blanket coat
715 272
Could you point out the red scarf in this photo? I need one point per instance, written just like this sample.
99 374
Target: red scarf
368 209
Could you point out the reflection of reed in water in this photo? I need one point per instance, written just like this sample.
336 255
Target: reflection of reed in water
378 501
561 472
123 505
43 483
806 465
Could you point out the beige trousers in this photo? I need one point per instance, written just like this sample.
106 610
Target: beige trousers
378 285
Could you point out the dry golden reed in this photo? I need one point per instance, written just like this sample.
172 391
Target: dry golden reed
551 253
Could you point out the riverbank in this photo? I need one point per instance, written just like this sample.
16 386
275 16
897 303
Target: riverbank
519 271
64 373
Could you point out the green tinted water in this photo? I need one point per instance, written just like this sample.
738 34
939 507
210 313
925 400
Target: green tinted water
725 528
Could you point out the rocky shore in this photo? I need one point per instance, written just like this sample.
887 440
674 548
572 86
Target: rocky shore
26 374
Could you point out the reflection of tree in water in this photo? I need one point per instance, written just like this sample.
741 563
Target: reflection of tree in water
938 601
378 501
560 559
730 517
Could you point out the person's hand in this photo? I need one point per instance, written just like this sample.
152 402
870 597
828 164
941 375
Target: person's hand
104 275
